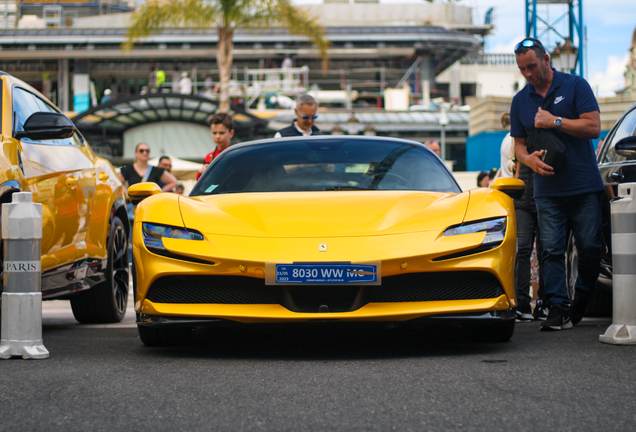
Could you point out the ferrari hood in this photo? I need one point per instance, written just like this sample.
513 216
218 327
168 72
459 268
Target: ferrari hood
323 214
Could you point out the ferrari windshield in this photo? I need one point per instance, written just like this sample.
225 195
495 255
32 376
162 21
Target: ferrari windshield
324 165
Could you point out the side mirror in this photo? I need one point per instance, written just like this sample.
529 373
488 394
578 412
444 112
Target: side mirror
139 191
510 186
626 147
46 126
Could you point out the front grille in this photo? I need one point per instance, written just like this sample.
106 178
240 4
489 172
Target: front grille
213 289
470 285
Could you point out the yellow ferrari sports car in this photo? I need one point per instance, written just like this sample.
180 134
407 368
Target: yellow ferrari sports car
324 229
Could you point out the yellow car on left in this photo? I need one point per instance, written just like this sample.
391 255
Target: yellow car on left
85 224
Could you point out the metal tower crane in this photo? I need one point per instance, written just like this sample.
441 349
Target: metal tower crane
539 25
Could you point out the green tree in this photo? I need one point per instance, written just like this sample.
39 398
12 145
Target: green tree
226 16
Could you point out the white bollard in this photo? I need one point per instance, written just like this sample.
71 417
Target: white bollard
623 328
22 296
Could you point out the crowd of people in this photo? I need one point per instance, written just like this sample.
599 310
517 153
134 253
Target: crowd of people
555 200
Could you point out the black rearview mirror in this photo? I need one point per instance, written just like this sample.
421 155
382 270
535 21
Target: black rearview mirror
626 147
46 126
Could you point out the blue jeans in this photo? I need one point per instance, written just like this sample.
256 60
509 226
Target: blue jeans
557 215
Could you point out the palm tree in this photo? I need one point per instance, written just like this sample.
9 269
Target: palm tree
226 16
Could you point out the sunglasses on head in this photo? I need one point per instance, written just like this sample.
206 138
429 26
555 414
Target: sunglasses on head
528 43
313 117
144 150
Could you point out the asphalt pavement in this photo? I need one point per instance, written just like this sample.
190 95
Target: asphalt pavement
101 378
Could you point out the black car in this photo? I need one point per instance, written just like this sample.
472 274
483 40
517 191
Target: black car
617 163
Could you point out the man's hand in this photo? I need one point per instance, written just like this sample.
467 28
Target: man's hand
544 120
533 160
203 168
587 126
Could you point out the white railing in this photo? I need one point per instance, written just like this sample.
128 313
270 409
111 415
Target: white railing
490 59
289 81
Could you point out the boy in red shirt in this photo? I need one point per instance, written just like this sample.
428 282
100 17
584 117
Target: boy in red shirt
222 127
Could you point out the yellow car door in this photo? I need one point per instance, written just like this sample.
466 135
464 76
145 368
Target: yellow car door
84 163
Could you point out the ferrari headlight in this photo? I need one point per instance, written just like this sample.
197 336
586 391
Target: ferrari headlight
154 233
495 229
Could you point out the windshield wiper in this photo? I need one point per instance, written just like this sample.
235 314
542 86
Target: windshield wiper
343 187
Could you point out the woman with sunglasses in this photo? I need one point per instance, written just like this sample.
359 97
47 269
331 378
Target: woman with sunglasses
140 171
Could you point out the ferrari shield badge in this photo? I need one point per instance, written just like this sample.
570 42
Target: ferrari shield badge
322 247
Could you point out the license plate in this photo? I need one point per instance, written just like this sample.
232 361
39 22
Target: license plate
326 273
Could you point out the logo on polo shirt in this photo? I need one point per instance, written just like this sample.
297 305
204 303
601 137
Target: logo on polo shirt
558 99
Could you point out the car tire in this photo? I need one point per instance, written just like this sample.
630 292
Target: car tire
600 304
106 302
162 337
489 332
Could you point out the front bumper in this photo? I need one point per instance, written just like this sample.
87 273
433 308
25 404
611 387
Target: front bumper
274 313
443 319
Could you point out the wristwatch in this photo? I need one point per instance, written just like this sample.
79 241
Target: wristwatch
558 122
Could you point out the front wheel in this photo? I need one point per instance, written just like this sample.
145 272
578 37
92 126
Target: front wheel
107 301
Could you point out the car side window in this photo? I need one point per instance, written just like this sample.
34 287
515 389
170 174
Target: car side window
625 129
25 104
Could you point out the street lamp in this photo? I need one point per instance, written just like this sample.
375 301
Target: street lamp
568 55
443 122
556 57
353 126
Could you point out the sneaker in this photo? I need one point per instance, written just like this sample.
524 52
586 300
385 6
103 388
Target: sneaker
540 312
524 312
579 304
558 319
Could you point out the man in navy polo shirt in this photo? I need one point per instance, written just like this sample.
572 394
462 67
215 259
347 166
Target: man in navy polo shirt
306 113
569 198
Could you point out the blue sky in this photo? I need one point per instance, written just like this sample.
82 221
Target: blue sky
610 25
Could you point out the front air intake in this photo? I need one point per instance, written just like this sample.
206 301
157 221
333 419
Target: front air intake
411 287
